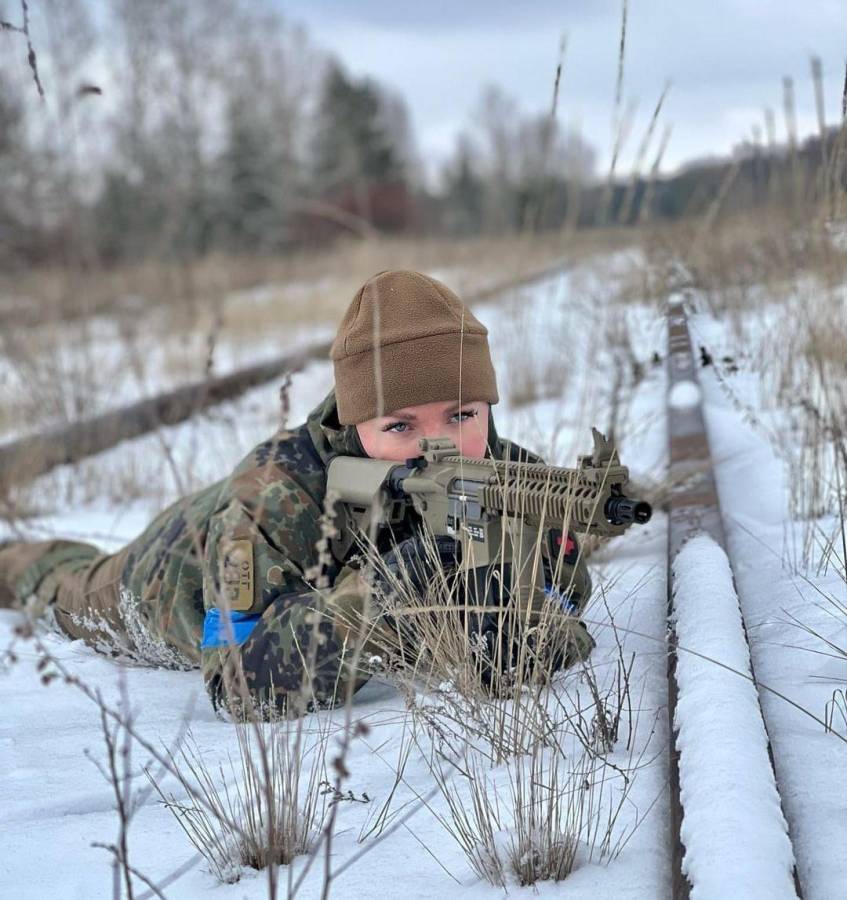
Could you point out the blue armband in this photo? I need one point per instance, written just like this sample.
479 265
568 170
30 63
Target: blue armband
225 628
564 599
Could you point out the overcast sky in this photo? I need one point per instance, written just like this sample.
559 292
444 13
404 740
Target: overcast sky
725 58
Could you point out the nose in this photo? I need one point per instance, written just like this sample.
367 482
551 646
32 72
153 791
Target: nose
429 426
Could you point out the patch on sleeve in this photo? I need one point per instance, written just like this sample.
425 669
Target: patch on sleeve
237 574
564 546
222 628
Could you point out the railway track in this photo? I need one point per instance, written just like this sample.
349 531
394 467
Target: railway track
694 511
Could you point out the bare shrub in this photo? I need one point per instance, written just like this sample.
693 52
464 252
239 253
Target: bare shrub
263 808
556 815
118 771
563 794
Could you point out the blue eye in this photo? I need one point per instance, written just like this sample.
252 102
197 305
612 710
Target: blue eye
464 415
396 427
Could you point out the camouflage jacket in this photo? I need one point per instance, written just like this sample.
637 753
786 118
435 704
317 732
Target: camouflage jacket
249 545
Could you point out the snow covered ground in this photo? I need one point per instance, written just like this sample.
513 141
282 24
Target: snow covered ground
54 804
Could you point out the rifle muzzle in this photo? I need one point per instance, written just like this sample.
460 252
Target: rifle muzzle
625 510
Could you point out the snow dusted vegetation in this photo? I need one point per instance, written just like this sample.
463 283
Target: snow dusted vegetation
400 829
790 587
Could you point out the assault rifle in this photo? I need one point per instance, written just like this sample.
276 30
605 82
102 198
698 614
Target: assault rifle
500 512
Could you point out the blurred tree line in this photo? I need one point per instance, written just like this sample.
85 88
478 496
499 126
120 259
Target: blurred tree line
174 128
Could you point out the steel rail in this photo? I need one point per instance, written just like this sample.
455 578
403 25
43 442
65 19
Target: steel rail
693 508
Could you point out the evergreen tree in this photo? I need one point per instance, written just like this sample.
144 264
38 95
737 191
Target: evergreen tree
253 176
464 192
13 156
351 142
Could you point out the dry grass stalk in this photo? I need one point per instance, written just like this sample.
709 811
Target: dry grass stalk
836 712
461 687
625 212
273 790
557 814
384 814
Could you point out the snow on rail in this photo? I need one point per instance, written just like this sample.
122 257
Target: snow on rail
716 832
733 830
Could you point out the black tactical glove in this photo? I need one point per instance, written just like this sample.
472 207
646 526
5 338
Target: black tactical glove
493 650
412 563
495 639
499 655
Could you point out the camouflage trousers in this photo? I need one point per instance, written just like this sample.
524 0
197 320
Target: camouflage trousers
77 581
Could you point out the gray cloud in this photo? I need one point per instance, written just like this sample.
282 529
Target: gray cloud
726 59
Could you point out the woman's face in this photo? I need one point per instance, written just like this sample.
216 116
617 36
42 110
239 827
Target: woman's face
396 436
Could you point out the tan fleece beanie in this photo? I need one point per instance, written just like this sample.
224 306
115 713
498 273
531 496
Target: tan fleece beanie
411 336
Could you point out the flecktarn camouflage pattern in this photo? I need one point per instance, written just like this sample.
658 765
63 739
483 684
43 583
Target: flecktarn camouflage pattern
236 579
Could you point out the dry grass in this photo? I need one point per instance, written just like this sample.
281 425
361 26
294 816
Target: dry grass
264 808
792 328
432 633
518 751
153 328
766 251
554 802
777 277
304 286
475 655
555 813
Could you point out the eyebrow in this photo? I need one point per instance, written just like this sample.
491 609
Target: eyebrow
405 416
